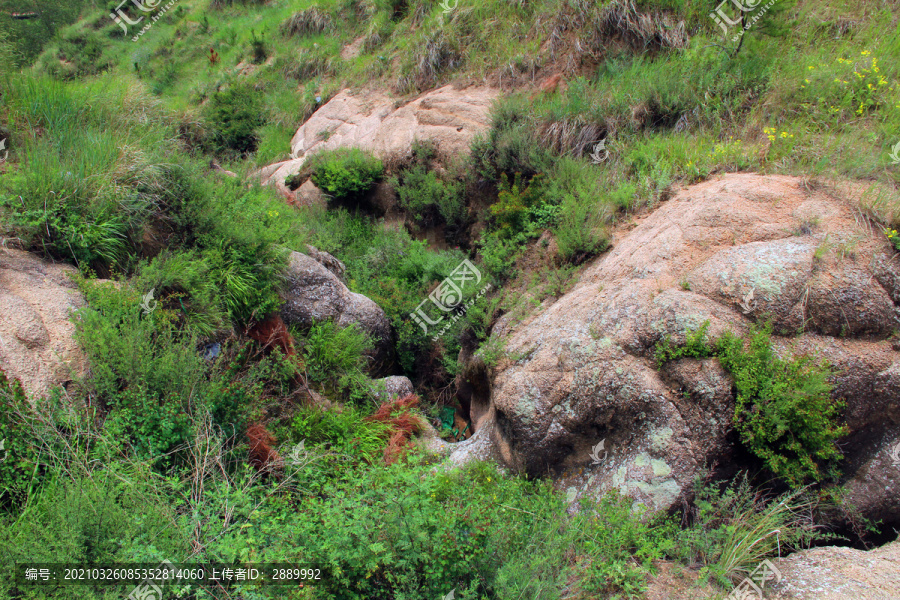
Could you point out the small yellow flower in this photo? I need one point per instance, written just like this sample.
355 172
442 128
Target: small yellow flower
865 53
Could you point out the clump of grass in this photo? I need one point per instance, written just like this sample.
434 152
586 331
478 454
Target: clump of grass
731 529
309 21
642 30
437 56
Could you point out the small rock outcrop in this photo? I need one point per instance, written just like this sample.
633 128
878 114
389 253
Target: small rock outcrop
734 250
328 261
396 386
37 344
313 293
374 122
835 573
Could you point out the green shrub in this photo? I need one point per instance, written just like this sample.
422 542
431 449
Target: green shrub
336 357
345 431
784 413
116 514
428 198
474 530
234 115
345 174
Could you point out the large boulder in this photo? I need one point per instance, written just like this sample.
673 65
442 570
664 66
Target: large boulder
735 250
37 344
835 573
313 293
381 124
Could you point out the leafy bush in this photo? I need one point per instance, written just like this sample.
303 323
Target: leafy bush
473 530
234 115
336 357
345 174
116 514
426 197
784 412
514 201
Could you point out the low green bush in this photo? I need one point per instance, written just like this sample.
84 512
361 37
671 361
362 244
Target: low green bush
428 198
336 357
345 174
784 411
234 115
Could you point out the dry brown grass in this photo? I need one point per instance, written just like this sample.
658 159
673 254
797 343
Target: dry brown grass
309 21
403 422
641 30
575 136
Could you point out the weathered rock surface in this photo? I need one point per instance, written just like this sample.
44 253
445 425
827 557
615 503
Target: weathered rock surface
36 336
395 386
328 261
313 293
374 122
839 574
581 370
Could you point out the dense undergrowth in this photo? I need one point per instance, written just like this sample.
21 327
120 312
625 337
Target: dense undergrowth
147 457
